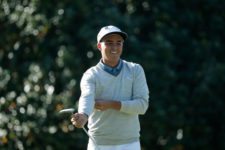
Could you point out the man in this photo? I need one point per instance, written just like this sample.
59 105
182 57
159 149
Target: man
113 94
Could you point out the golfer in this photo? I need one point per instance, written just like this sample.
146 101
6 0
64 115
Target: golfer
113 93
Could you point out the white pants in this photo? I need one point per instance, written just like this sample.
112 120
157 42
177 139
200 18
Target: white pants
128 146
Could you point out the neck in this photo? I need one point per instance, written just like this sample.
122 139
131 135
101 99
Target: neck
111 63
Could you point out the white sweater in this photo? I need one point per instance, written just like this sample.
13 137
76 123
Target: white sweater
113 127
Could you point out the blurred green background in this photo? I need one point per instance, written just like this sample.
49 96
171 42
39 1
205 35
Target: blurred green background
45 46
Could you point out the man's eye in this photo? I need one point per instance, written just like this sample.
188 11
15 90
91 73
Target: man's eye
112 44
108 43
119 43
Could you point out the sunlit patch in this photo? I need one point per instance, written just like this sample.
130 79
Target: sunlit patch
52 129
162 140
30 109
50 89
27 87
22 110
21 100
2 100
4 77
60 12
179 134
10 55
90 54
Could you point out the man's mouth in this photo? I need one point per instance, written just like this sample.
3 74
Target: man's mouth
113 52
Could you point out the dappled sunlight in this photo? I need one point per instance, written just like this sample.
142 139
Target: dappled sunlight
45 47
179 134
4 76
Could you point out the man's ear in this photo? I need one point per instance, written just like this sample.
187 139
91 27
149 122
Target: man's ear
99 46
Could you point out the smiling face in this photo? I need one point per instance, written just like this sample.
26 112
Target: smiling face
111 48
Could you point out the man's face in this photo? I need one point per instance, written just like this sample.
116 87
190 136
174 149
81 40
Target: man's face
111 48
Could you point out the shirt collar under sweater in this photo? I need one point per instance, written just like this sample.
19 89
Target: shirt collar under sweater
112 70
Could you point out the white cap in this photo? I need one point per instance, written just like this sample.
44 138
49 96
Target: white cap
110 30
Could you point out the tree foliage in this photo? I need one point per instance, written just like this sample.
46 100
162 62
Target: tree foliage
45 46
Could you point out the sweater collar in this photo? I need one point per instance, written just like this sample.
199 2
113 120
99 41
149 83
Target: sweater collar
112 70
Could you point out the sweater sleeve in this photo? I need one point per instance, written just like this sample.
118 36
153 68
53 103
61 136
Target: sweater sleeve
140 99
86 100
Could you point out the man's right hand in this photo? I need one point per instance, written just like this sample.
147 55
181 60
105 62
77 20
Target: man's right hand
79 120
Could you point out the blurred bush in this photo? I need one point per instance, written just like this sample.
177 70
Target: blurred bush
45 46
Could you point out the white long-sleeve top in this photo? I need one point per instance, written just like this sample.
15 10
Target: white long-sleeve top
112 127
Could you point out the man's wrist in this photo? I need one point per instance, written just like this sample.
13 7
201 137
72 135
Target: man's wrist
116 105
84 114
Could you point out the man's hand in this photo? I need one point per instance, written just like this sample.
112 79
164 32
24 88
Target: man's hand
106 104
79 120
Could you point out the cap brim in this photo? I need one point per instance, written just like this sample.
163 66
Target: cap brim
123 34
